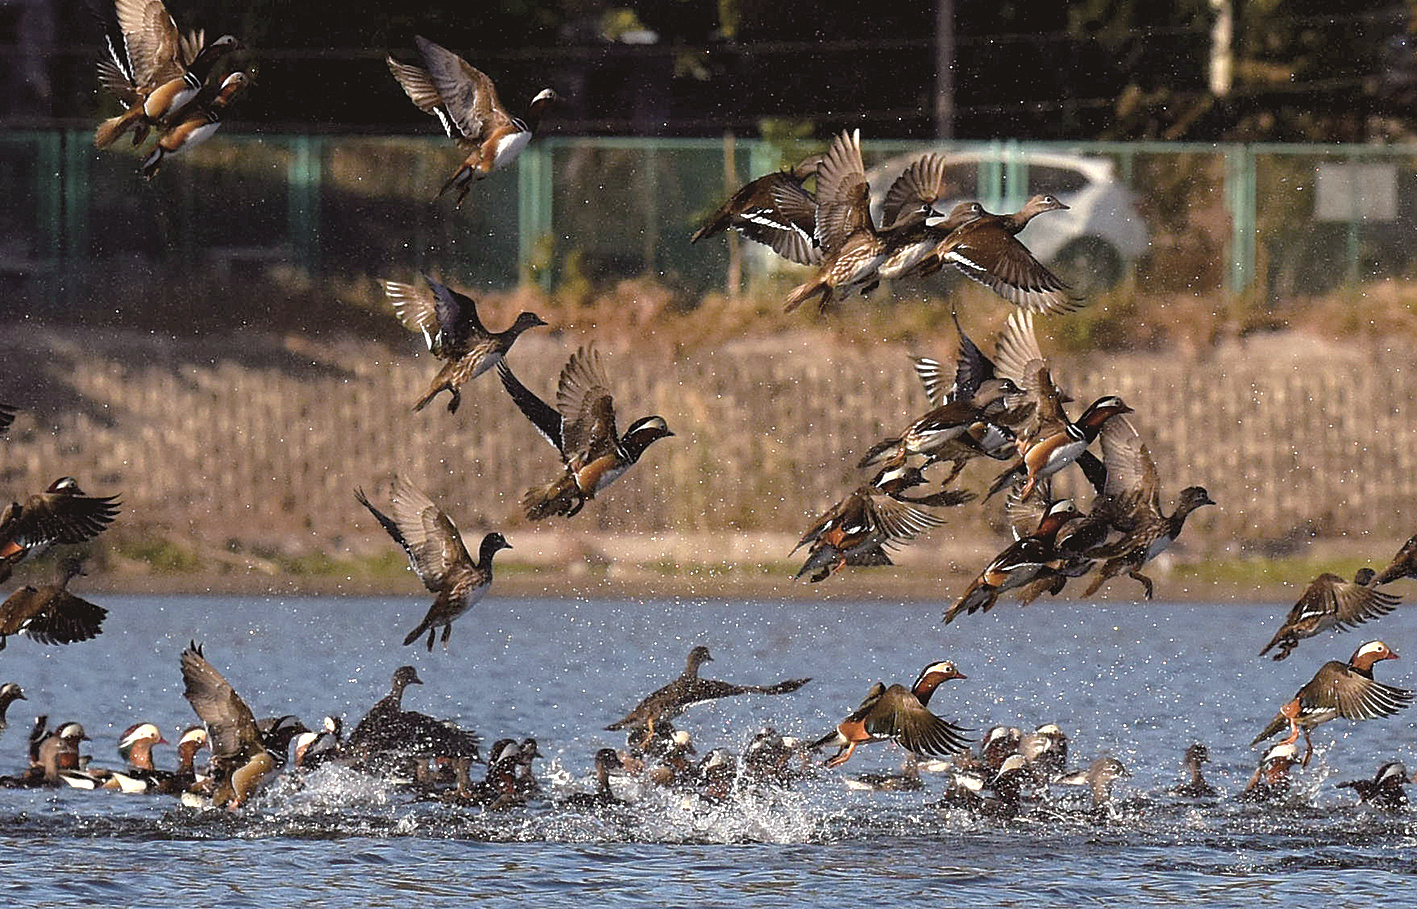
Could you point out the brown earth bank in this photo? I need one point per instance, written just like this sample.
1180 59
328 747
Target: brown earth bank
236 454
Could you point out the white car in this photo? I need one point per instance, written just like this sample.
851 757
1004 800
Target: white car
1089 245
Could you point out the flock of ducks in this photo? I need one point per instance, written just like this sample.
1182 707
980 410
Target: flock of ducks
1005 407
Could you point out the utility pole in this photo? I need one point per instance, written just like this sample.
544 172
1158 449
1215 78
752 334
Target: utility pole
945 69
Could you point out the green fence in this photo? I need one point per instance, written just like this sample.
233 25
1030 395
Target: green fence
1279 220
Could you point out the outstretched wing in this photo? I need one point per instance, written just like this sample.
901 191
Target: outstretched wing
467 93
583 397
229 720
426 534
543 416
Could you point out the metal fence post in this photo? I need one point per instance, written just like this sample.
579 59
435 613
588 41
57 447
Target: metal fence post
303 198
1240 190
535 217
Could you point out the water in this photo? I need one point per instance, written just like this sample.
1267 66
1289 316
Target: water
1137 682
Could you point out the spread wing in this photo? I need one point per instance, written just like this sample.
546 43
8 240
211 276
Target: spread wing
466 92
457 318
923 182
52 616
1358 697
543 416
985 252
60 518
899 715
426 534
588 410
843 198
229 721
415 309
1131 473
899 522
153 43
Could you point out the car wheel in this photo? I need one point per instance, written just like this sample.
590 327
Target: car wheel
1090 265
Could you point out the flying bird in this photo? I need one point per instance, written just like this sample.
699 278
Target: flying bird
466 104
436 553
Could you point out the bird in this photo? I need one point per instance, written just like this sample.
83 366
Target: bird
1098 777
1271 778
1403 565
1048 439
987 249
1339 689
582 429
51 614
60 514
390 731
437 554
151 68
1132 502
668 702
606 761
196 123
312 749
1385 789
874 518
1196 786
7 416
755 212
1031 557
900 714
466 104
454 333
1331 602
853 249
240 758
10 692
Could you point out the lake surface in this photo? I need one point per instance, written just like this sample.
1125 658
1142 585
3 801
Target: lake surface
1137 682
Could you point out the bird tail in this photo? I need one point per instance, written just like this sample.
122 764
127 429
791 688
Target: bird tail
978 595
1004 479
832 738
152 162
417 633
1284 640
428 397
559 497
873 454
111 129
1275 725
804 292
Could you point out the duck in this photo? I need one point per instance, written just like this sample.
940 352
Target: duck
775 760
389 736
10 692
874 518
58 755
1331 601
454 333
1403 565
1098 777
1339 689
317 748
674 767
902 715
1270 781
582 429
671 700
151 68
1385 789
1047 750
912 229
606 761
716 777
1132 497
466 104
1196 786
51 614
774 210
1049 440
60 514
987 249
527 785
195 124
241 760
853 249
437 554
1030 558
